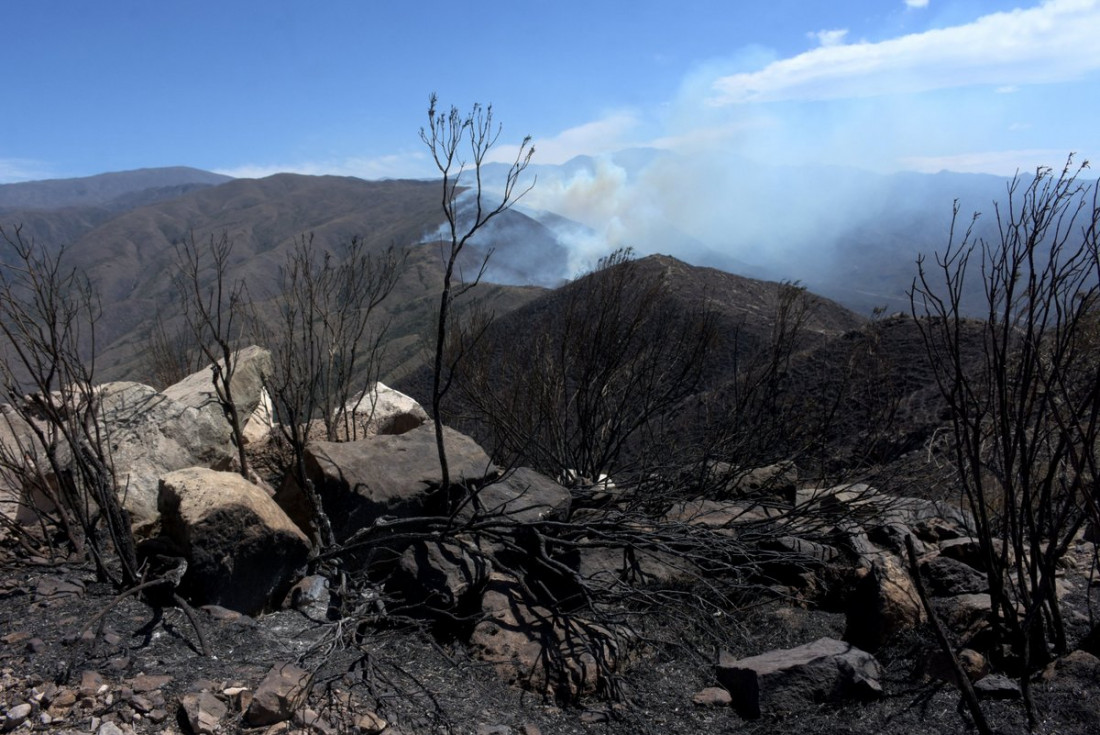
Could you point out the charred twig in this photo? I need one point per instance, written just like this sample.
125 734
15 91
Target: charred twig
965 687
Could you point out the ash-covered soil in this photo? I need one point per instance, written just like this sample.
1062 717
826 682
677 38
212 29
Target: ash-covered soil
106 681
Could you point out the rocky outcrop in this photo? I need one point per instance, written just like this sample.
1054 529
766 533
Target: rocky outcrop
151 434
242 551
397 476
784 681
388 477
383 410
197 390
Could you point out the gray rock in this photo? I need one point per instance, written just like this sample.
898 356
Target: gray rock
968 550
931 520
197 390
242 550
204 712
310 596
386 476
151 434
712 697
1077 664
111 728
996 686
553 654
17 715
883 602
964 614
442 577
280 693
524 496
383 410
607 567
784 681
945 577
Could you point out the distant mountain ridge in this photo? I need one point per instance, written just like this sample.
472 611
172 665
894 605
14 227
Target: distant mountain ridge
105 189
128 252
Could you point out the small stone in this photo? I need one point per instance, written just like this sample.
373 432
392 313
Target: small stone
109 728
90 683
45 693
204 712
17 715
531 729
593 716
996 686
112 638
369 723
141 703
712 697
157 716
494 730
35 645
277 695
145 683
63 699
309 718
52 587
17 637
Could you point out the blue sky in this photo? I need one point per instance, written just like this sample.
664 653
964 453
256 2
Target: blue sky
251 88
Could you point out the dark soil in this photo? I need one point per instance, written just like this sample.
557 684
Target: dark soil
422 686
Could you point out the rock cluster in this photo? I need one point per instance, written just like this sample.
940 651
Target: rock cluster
472 558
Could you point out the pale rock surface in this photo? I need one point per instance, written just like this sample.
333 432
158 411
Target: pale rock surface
197 389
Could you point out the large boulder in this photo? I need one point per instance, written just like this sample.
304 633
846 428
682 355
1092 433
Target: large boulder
398 476
242 550
523 496
197 390
383 410
151 434
782 682
883 602
946 577
261 422
20 500
387 476
146 434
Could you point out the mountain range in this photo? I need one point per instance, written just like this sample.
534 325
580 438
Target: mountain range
120 229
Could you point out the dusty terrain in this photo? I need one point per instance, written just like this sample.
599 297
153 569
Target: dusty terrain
420 685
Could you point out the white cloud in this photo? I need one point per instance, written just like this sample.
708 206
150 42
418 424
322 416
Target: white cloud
398 166
1054 41
833 37
13 170
609 133
916 3
1001 163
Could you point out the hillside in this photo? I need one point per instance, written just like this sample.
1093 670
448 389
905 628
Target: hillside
627 353
115 190
130 257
